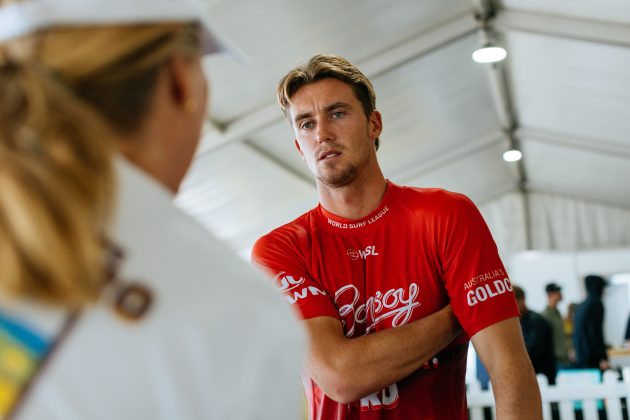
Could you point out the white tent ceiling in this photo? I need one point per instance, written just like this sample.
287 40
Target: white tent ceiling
564 90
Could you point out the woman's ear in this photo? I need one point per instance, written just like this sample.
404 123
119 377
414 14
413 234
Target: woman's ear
181 87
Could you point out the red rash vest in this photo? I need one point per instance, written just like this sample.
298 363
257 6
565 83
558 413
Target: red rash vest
419 251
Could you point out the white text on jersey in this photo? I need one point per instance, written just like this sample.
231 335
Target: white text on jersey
389 399
488 291
301 294
286 283
383 305
356 254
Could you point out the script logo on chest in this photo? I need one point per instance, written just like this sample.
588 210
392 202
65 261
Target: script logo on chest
396 304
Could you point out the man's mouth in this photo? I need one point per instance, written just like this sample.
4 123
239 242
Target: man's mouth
328 155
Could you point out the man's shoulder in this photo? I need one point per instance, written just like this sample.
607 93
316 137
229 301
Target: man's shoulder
530 316
435 195
429 192
539 318
289 234
548 312
437 200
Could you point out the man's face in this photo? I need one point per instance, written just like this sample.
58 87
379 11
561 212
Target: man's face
555 297
332 133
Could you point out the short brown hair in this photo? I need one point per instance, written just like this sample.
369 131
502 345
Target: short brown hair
323 67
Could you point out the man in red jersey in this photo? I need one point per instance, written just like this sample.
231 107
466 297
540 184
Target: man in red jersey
375 269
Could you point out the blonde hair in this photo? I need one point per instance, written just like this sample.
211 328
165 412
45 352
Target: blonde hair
65 96
325 67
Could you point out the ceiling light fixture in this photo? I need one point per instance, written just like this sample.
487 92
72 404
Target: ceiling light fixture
489 54
513 152
512 155
489 50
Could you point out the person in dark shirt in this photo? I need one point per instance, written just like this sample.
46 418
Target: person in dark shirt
538 338
588 333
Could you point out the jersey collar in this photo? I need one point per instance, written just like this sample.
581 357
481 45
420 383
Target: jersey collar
373 219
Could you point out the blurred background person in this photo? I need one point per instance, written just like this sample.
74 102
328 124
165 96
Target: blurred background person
113 304
588 333
538 338
568 331
554 318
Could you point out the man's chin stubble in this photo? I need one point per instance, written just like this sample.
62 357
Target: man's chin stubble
340 179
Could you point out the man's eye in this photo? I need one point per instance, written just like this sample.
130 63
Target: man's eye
337 114
307 125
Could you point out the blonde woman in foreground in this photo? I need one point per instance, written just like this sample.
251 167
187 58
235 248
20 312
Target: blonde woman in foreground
113 304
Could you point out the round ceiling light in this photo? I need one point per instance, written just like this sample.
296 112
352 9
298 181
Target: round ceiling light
489 54
512 155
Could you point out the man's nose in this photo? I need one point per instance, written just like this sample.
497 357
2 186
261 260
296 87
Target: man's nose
324 132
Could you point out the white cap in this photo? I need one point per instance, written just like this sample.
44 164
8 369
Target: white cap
28 16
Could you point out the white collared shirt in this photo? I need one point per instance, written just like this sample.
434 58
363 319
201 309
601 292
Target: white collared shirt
218 343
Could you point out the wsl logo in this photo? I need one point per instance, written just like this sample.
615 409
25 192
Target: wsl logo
289 285
356 254
286 283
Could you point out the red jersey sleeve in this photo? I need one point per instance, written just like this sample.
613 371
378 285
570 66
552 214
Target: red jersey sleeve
477 282
279 253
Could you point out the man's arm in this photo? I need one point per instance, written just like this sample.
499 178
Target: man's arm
502 351
347 369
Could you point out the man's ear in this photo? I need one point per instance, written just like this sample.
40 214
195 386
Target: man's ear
297 146
376 125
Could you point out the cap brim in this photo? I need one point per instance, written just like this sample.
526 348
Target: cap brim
19 19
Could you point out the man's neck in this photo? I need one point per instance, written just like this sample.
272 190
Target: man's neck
355 200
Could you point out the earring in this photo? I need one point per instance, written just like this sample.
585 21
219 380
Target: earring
190 106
